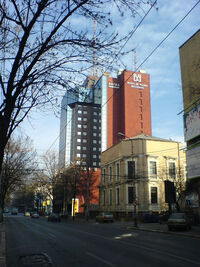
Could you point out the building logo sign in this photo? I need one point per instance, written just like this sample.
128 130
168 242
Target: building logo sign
192 123
114 85
137 78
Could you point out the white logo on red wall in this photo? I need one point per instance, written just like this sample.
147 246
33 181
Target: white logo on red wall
137 78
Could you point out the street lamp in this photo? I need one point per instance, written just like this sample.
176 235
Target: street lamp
134 201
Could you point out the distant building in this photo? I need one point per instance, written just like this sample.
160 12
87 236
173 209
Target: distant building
190 74
92 118
143 170
125 106
80 126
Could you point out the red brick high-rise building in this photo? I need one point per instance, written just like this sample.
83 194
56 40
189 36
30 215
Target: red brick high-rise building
126 106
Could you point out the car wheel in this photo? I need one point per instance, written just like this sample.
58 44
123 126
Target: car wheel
169 228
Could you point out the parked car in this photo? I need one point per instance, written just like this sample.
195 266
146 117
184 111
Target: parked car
35 216
104 217
27 214
179 221
163 218
54 217
150 218
14 211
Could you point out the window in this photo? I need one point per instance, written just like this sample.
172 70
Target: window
85 112
79 125
78 147
84 119
104 175
140 109
94 141
79 111
94 120
117 196
84 140
110 173
84 147
141 124
94 156
83 155
79 119
85 126
84 133
110 196
94 127
94 163
78 155
131 169
141 116
94 148
94 134
117 171
154 195
78 140
95 113
140 94
172 169
79 133
131 194
104 197
140 101
153 168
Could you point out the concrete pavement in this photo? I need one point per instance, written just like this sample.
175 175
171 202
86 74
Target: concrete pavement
151 227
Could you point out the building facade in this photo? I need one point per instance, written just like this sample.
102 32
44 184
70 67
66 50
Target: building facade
145 171
125 106
190 74
80 126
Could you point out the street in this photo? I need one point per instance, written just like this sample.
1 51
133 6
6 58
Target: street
71 244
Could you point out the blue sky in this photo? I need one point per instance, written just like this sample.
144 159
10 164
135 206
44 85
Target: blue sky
163 67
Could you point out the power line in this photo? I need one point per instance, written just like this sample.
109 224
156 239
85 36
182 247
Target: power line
151 53
116 56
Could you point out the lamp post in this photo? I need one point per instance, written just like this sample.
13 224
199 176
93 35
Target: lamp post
134 201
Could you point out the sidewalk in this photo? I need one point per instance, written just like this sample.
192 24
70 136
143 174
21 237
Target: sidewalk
163 228
150 227
2 245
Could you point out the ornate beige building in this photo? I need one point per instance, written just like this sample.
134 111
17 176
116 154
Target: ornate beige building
143 170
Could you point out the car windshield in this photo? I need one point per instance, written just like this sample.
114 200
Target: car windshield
177 216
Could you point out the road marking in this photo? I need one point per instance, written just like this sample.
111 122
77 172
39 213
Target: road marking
51 235
126 235
100 259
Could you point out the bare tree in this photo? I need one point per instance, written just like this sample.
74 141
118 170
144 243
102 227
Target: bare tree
45 181
19 161
43 49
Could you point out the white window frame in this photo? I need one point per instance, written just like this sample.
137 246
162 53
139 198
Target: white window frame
151 176
117 202
126 164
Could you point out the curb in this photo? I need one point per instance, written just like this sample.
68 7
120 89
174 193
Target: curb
2 247
163 232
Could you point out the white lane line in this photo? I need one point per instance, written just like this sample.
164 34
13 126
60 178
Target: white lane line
100 259
51 235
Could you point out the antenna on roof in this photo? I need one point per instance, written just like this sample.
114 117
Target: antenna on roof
135 60
94 59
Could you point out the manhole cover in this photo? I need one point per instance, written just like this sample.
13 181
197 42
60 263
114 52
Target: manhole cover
41 260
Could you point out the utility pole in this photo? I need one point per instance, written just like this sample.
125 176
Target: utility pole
87 193
75 178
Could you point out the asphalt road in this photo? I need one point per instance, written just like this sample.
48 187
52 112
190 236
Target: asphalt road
71 244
